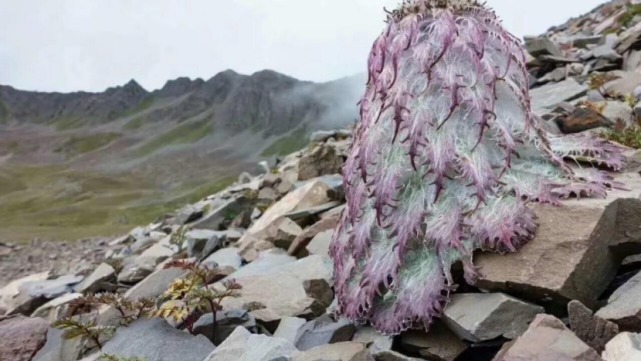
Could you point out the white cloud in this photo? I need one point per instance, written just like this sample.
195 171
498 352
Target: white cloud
67 45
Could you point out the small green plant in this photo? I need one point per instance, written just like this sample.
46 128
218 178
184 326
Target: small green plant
74 328
193 296
597 81
178 238
632 11
129 310
630 136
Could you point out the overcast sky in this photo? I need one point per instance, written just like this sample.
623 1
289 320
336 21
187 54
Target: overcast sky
67 45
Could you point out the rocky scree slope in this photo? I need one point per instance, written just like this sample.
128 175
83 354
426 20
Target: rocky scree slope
572 293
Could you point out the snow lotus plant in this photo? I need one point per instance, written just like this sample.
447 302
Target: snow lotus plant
445 158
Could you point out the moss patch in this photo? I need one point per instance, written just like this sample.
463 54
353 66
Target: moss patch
288 144
183 134
80 145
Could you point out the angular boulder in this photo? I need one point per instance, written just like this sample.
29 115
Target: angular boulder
21 337
547 339
624 306
241 345
155 340
570 257
480 317
625 347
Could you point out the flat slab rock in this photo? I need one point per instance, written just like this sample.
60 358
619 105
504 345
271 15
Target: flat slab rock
624 306
281 290
309 195
547 339
570 257
242 345
482 317
155 340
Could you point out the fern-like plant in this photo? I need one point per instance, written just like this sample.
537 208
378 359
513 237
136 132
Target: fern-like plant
178 238
193 296
74 328
74 325
446 156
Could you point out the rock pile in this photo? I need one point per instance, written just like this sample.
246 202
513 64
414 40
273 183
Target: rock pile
570 294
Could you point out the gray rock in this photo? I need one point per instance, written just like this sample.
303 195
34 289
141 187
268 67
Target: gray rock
624 347
187 214
624 306
97 280
288 328
160 251
343 351
283 232
485 316
57 348
615 110
547 338
9 294
627 82
555 75
375 342
581 41
324 159
21 337
34 294
285 286
216 218
226 323
52 309
544 98
135 269
155 284
310 195
322 331
263 348
227 259
439 343
201 243
51 289
270 180
267 195
594 331
541 46
606 52
298 247
320 243
571 246
284 187
266 262
155 340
